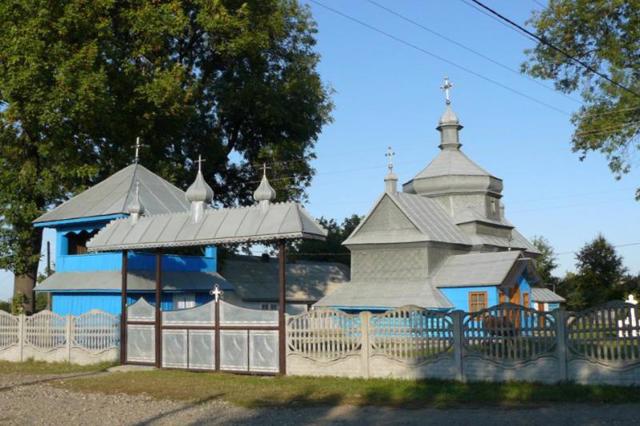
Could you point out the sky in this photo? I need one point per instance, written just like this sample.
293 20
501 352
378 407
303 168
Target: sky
387 93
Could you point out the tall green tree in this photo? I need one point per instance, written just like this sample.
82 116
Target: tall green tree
603 34
330 250
600 275
547 262
233 80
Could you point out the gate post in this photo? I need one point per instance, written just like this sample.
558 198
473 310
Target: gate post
282 334
68 331
22 318
458 343
123 309
365 348
158 311
561 343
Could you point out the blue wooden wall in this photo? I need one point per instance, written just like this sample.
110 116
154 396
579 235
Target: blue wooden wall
459 296
79 303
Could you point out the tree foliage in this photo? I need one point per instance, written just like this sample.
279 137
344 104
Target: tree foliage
235 81
546 262
605 35
332 249
600 276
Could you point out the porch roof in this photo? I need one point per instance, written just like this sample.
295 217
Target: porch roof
280 221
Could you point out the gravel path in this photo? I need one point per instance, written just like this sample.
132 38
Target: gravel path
30 400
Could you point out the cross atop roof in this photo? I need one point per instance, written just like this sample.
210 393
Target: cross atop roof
390 154
137 146
446 87
216 292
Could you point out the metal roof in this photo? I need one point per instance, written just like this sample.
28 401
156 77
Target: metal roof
476 269
113 195
136 281
452 162
517 241
544 295
381 295
426 214
256 279
218 226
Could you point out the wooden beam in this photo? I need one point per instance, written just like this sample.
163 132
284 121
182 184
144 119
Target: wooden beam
123 308
158 310
282 287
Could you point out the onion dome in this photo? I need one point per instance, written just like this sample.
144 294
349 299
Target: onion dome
199 189
264 192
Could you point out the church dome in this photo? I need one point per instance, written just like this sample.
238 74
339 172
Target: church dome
265 191
199 189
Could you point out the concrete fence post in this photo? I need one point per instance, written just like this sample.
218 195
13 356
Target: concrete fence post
561 343
458 346
68 336
365 318
21 336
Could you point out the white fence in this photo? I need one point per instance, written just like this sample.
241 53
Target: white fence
85 339
504 342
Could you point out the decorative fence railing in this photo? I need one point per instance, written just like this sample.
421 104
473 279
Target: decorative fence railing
503 342
89 338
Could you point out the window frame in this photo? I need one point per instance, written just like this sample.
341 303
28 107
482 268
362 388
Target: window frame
483 294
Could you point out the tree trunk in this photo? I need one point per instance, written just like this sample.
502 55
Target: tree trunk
24 284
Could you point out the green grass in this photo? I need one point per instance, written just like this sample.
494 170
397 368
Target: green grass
254 391
41 367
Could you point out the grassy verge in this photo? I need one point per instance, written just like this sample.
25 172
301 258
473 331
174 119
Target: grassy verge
40 367
251 391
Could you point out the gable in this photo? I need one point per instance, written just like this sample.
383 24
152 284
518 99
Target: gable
385 224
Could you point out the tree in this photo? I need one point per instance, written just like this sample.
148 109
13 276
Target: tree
235 81
546 262
600 275
332 249
604 35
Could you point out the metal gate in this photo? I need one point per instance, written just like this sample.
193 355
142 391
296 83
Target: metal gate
214 336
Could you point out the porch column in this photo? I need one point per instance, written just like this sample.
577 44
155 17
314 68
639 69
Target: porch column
158 310
282 335
123 308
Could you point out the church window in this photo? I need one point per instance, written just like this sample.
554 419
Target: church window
477 301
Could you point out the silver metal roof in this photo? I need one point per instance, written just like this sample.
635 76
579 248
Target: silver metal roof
517 242
476 269
544 295
380 295
257 280
218 226
426 214
451 162
113 195
136 281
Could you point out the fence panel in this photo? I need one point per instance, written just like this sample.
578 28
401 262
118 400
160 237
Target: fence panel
9 328
509 332
411 334
96 331
46 331
324 335
606 334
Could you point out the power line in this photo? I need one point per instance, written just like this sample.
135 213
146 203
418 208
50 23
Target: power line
554 47
438 57
468 49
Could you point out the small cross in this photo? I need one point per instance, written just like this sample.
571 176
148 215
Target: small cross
446 86
390 154
216 293
631 300
200 161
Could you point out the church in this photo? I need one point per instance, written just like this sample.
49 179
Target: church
85 280
442 242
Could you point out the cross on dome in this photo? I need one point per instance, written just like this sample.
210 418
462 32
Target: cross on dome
200 161
137 147
446 87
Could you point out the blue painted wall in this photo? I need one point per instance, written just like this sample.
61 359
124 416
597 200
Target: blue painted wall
81 302
459 296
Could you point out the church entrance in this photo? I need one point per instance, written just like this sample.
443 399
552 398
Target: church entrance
215 336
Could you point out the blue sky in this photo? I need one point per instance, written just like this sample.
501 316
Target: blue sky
387 93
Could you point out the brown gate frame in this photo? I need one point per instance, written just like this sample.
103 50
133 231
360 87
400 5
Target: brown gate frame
282 341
